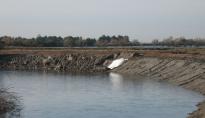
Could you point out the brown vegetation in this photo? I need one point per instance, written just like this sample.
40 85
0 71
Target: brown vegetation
8 102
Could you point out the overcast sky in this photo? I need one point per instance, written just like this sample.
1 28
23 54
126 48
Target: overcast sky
139 19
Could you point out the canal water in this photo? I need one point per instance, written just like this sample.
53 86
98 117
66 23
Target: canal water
57 95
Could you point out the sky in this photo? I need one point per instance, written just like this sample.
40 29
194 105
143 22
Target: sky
144 20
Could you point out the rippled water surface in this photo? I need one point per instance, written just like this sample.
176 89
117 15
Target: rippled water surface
51 95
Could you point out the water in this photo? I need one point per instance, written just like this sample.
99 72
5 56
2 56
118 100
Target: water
51 95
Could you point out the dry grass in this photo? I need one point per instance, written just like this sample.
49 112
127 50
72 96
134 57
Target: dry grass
190 53
9 103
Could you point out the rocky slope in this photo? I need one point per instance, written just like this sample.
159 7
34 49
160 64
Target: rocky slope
68 63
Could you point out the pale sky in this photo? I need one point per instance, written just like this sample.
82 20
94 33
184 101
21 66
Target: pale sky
139 19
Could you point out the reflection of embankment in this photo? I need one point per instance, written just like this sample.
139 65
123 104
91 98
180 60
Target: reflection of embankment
9 104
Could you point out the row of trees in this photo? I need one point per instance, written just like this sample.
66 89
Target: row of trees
70 41
180 41
1 44
113 41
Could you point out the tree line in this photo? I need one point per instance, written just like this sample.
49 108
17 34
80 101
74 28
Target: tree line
179 42
69 41
103 41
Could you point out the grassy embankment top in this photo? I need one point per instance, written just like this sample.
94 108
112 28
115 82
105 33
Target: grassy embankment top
184 53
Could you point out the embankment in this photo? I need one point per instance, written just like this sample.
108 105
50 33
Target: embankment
181 67
66 63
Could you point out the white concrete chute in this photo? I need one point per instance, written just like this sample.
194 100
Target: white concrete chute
116 63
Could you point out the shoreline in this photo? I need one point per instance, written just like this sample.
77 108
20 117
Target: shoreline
185 68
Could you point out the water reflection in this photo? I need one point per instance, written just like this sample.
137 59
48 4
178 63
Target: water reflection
116 80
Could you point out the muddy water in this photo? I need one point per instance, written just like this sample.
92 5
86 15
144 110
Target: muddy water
51 95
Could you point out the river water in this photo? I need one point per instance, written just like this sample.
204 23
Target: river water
52 95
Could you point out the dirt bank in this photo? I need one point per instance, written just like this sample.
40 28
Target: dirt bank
67 63
183 67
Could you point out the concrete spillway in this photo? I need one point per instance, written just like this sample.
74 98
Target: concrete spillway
116 63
